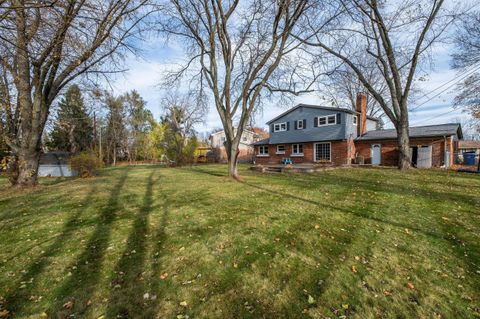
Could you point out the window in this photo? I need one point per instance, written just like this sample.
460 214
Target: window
279 127
327 120
223 139
355 120
297 149
244 138
263 150
323 152
300 125
280 149
332 119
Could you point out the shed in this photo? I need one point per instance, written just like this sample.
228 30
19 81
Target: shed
55 164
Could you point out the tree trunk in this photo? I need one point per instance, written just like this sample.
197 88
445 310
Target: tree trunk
28 162
114 155
404 159
232 156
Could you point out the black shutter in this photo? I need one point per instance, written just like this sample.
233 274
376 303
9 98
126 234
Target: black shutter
304 124
315 122
271 128
288 126
295 125
339 118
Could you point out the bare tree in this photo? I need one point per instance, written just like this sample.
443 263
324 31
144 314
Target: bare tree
235 49
343 85
466 59
43 48
394 37
181 112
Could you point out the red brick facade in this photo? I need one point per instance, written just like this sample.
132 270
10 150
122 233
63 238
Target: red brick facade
390 153
341 153
344 152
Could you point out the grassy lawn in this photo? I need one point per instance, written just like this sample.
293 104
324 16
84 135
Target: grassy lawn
190 243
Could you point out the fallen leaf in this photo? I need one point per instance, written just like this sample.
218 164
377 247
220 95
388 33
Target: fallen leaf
4 313
317 226
354 269
235 265
146 296
101 317
89 302
44 315
311 300
164 276
387 293
410 285
68 305
305 310
183 303
345 306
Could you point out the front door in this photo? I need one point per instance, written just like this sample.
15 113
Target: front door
376 154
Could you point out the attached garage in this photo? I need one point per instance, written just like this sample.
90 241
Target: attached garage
430 146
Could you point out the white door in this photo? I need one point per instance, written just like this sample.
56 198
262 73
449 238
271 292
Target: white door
376 154
424 157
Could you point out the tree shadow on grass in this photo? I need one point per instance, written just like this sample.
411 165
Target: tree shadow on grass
17 299
79 287
128 282
356 213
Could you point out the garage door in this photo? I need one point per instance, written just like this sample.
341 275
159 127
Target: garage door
424 159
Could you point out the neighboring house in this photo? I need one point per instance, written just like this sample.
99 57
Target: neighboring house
246 149
469 146
55 164
339 136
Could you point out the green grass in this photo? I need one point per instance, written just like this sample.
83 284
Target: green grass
345 242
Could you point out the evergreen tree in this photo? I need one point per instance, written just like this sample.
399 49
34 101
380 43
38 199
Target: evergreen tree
73 129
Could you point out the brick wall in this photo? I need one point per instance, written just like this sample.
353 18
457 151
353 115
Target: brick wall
389 156
339 153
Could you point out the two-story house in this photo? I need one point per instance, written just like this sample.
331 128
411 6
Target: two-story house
248 138
319 134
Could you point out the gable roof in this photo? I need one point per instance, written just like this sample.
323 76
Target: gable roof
265 141
336 109
439 130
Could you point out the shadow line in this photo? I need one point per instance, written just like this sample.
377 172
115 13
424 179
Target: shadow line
18 298
79 287
128 284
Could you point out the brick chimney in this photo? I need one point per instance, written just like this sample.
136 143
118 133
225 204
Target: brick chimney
362 109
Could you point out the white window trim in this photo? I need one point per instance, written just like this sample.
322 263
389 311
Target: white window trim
296 154
355 120
315 151
281 152
298 127
262 154
279 127
326 120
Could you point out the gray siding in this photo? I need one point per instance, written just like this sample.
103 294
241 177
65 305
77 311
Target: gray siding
311 133
351 131
371 125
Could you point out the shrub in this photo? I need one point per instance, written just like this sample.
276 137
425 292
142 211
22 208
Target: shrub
86 164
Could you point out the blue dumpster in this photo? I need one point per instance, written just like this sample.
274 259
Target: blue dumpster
469 158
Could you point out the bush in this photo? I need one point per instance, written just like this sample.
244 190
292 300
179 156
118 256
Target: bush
86 164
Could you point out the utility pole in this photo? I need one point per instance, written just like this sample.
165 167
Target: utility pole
100 145
94 131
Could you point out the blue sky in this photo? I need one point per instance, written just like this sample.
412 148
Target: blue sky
145 73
